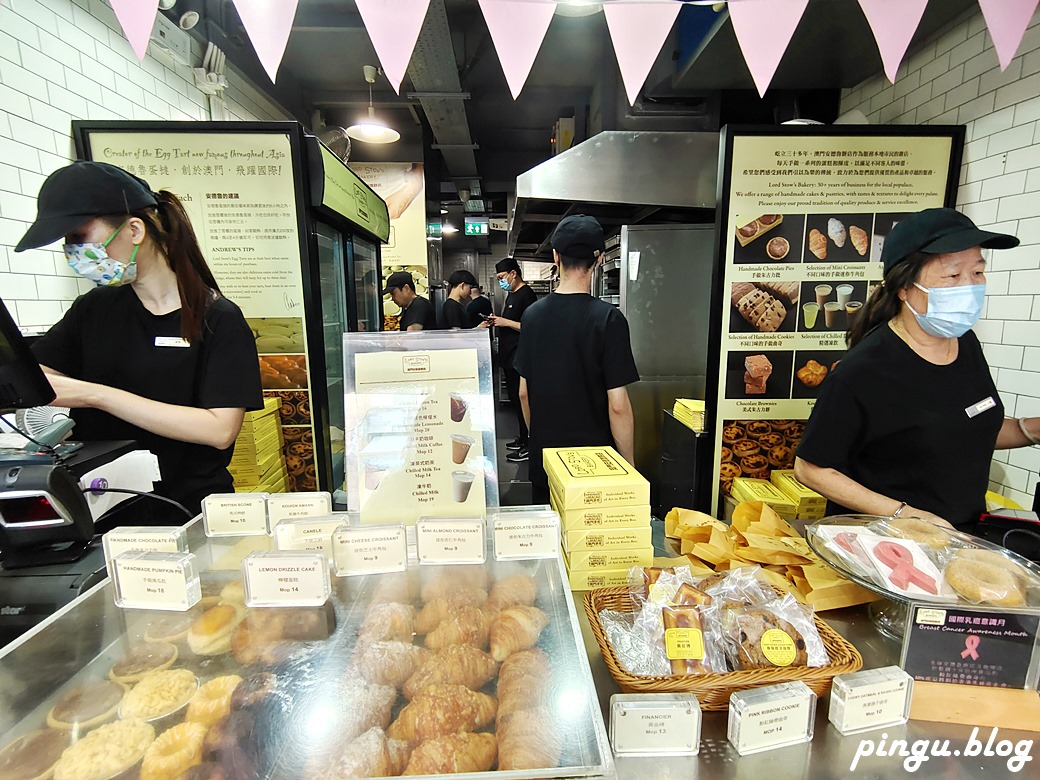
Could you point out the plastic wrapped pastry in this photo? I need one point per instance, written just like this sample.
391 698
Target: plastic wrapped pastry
515 629
366 756
528 739
454 665
466 626
454 754
389 663
442 710
836 232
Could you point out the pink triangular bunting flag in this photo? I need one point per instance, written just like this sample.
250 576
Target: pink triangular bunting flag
1007 21
137 18
894 23
764 29
638 31
268 24
517 30
393 26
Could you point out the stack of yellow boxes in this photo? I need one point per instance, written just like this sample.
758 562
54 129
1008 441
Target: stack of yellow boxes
747 489
604 509
257 465
809 505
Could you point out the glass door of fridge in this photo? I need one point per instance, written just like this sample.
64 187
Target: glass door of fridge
368 288
335 322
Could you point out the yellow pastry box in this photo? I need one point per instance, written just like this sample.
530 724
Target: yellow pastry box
590 580
747 489
593 477
809 505
590 560
614 539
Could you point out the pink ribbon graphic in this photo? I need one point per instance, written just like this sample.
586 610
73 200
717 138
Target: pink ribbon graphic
971 643
901 561
844 540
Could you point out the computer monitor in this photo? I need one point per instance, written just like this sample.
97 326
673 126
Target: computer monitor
22 381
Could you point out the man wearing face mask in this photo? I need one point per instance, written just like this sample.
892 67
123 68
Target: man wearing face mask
519 296
906 424
154 353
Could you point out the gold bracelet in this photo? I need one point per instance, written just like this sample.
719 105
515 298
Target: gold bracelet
1022 427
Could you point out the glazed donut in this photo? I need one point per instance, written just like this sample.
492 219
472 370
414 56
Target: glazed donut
174 752
984 583
921 531
212 701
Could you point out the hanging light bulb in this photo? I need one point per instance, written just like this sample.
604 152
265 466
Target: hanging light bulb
372 130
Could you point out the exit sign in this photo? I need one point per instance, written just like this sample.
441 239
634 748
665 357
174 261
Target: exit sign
476 226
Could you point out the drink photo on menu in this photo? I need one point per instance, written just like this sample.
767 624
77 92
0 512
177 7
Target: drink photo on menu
768 238
832 305
765 375
883 224
811 369
763 307
838 238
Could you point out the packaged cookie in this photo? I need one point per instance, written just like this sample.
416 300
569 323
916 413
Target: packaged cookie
777 634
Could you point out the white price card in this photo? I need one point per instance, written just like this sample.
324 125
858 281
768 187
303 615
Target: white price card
235 514
165 539
450 540
161 581
535 535
655 724
772 717
284 506
871 699
308 534
286 579
369 550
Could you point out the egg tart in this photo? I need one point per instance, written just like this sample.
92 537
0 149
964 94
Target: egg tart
87 706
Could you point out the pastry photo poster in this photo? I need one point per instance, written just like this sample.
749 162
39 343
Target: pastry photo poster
418 433
803 217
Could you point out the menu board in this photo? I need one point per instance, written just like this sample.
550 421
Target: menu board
418 435
240 194
803 221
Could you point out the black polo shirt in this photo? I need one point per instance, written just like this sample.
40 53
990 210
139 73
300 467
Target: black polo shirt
516 304
420 312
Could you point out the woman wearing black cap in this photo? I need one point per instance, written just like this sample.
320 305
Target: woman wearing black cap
154 353
906 424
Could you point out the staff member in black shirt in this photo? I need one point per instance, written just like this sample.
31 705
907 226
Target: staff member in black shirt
416 312
575 359
154 353
454 313
479 307
519 297
907 423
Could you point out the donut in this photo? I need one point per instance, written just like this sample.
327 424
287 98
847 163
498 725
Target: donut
921 531
174 752
212 701
984 583
1025 577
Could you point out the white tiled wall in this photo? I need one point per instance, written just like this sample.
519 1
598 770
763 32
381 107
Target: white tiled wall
68 59
954 78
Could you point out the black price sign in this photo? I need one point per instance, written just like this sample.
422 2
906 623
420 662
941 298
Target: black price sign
970 646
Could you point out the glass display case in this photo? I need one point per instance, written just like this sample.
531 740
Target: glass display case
344 690
367 288
332 289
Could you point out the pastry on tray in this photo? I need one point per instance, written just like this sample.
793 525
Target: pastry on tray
175 751
106 752
152 657
159 694
32 756
87 706
210 633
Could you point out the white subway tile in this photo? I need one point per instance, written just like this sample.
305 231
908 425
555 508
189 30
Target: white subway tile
969 193
83 86
4 268
906 84
32 314
89 25
1001 186
62 9
1018 91
889 113
971 47
984 169
30 182
1023 159
51 162
982 212
19 27
1012 477
40 16
1009 307
18 287
31 261
42 65
98 73
1002 356
1015 138
1017 207
871 87
931 109
1027 282
47 115
1021 258
1031 362
1027 458
882 98
1026 334
158 107
925 54
1027 111
101 11
117 104
18 155
68 31
976 23
58 51
918 97
142 79
17 206
990 331
936 68
34 135
1027 407
1030 62
20 79
57 288
996 79
1031 39
129 90
949 80
978 65
987 125
973 109
946 118
66 101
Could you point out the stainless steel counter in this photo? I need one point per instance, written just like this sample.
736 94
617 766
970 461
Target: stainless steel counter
829 755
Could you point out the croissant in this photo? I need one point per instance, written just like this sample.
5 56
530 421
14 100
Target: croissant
454 578
370 707
465 626
441 607
527 739
516 628
366 756
454 665
514 591
388 621
836 232
454 754
442 710
389 663
395 587
858 236
818 244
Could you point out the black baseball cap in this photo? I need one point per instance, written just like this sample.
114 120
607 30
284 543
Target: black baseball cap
936 232
397 280
77 193
507 265
578 236
462 276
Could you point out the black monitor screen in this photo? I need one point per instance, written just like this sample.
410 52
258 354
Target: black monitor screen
22 382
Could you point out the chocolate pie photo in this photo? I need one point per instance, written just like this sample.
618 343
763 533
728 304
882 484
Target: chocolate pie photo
768 238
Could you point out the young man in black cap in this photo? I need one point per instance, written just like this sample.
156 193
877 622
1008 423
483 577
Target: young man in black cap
519 297
575 358
453 313
416 312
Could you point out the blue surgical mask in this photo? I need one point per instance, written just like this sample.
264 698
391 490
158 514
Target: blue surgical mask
952 311
505 285
91 261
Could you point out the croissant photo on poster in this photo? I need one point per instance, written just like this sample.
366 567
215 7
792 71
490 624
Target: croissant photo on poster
914 754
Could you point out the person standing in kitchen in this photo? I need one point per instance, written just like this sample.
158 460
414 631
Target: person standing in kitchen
519 297
417 313
575 359
479 306
454 313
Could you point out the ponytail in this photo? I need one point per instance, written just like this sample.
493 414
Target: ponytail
885 303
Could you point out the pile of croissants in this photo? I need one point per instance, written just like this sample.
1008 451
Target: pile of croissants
441 649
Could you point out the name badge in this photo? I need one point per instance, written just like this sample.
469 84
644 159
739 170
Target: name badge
976 409
171 341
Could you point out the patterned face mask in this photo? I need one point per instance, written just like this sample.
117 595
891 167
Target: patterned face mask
91 261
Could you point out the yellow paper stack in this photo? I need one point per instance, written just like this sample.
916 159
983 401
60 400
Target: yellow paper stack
809 505
748 489
257 465
604 509
690 412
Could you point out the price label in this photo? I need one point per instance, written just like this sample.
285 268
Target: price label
284 506
164 539
525 537
772 722
308 535
230 514
293 579
871 699
370 550
455 540
156 581
655 724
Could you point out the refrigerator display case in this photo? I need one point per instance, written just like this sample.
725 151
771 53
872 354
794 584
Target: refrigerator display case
293 237
321 689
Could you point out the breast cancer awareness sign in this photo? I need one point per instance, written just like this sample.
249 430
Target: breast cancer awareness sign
971 647
904 571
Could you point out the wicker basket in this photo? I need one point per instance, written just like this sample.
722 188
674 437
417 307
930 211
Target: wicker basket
713 690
